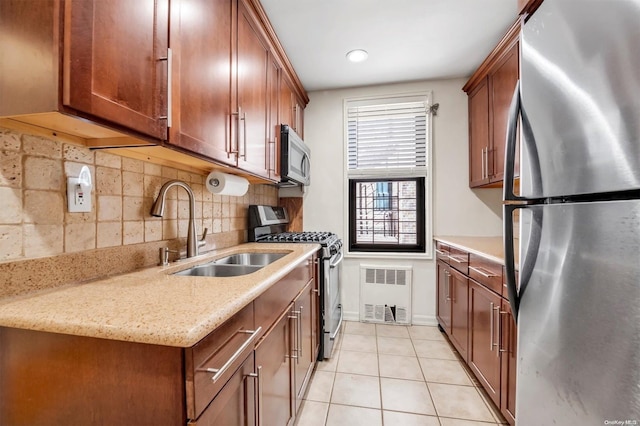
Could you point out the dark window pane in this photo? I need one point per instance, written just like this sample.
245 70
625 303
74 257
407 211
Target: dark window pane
387 215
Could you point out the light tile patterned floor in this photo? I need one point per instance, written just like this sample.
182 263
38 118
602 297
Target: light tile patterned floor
394 376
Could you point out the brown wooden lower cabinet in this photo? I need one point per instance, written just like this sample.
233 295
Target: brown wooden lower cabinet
444 301
269 349
305 348
273 359
459 294
236 403
453 288
479 324
484 338
58 379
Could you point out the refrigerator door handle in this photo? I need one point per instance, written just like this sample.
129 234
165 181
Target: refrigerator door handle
509 258
510 146
516 111
530 254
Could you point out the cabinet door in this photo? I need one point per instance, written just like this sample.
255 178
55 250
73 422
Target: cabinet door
112 62
236 402
201 42
298 112
444 300
303 341
252 65
508 347
478 134
287 115
502 82
459 293
273 118
484 338
273 358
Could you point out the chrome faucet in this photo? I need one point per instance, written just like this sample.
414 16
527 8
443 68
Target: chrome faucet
158 211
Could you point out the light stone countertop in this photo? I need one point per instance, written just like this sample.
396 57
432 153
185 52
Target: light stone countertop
151 305
491 248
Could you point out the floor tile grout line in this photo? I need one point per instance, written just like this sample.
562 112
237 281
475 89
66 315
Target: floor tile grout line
417 357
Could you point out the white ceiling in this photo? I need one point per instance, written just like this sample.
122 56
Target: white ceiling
407 40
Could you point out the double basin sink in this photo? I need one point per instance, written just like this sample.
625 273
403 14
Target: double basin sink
233 265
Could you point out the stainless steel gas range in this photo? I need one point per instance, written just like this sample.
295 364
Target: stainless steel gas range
267 224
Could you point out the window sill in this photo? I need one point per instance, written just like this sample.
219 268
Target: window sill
388 255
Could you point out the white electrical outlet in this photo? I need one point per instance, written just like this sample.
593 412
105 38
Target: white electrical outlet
79 192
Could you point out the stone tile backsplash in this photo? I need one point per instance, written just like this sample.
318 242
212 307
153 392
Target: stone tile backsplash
35 223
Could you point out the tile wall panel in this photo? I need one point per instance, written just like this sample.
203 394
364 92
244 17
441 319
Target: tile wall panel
35 223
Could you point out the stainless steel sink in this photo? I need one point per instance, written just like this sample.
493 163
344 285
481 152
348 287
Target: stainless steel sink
215 270
233 265
261 259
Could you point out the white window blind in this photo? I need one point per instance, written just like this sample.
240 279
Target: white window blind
387 133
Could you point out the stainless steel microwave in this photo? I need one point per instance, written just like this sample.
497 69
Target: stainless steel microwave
295 161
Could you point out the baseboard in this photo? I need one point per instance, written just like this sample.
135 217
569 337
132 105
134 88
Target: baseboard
425 320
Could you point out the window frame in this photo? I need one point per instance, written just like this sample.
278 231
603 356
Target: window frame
420 245
385 174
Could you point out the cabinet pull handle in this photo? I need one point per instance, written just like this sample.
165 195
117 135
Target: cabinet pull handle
491 329
218 372
482 164
258 394
300 332
244 135
455 259
294 347
482 272
486 162
442 253
501 348
447 276
497 344
169 59
237 150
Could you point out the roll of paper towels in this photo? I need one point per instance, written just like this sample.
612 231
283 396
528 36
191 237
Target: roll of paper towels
226 184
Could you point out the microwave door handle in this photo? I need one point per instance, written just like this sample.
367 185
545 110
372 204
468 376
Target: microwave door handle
305 162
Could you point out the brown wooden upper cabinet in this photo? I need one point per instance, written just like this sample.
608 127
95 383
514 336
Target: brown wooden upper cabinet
105 61
291 107
201 77
490 90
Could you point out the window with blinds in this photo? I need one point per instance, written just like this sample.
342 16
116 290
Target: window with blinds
390 135
388 159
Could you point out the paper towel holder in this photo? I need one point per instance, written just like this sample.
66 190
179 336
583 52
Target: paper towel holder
221 183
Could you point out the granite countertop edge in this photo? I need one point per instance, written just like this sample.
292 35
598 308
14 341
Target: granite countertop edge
491 248
151 305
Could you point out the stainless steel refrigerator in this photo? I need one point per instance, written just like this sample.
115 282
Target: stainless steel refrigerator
577 298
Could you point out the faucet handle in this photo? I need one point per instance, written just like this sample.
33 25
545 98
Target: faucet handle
201 241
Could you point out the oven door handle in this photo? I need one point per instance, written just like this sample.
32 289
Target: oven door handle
339 324
338 260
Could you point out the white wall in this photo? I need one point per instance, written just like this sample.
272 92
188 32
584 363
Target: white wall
457 210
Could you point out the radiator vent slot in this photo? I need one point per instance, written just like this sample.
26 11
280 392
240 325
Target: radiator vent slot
385 294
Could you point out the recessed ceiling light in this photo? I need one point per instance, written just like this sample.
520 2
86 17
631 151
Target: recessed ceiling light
357 55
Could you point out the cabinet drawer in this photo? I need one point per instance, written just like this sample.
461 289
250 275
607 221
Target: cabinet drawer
236 403
213 360
486 272
442 252
270 304
459 259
